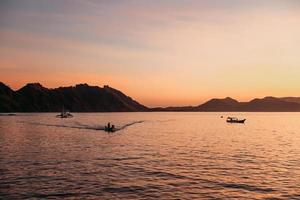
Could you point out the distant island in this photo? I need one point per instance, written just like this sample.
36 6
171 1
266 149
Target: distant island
267 104
33 97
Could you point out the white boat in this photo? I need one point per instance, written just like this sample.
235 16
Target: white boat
235 120
65 114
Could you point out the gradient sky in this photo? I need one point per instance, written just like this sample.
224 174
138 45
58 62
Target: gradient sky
160 52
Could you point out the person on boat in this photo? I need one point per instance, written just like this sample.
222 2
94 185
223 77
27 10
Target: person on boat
109 128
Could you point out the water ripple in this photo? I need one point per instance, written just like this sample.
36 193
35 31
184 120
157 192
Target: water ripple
192 156
246 187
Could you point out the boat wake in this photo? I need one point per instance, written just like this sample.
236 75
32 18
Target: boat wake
83 126
130 124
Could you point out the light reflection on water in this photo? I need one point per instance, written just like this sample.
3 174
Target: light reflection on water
167 156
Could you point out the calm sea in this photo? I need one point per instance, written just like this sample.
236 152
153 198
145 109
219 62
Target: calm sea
153 156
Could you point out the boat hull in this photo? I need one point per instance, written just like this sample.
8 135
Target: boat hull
236 121
107 129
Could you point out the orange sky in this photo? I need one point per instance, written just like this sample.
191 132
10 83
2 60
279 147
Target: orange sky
168 53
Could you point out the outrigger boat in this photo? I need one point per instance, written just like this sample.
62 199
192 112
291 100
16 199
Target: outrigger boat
235 120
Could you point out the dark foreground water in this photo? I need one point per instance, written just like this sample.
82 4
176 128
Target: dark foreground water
152 156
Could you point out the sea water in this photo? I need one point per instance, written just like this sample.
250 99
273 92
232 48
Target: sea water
153 156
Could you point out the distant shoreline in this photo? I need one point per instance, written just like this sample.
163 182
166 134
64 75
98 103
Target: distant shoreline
19 113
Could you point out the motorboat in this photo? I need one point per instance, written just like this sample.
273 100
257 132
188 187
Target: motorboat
235 120
110 128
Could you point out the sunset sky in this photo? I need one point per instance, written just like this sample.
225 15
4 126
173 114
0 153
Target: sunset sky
160 52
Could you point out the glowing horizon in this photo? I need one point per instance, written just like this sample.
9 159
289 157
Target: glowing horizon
169 53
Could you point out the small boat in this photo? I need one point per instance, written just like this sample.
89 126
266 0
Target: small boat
235 120
107 129
65 114
110 128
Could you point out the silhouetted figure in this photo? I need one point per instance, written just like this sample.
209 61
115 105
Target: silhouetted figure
109 128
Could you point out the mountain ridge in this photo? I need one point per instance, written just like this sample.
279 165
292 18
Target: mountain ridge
228 104
34 97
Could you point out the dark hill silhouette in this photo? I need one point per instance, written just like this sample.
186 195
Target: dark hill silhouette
267 104
33 97
227 104
7 101
270 104
82 98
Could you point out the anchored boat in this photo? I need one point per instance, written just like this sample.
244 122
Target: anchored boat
235 120
64 114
